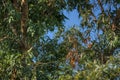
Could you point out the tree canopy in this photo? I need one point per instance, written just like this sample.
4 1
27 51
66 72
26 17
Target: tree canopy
26 53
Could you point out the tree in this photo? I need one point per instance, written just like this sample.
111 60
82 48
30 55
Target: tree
25 52
101 17
22 23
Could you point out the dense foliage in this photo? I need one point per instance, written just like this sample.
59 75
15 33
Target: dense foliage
90 51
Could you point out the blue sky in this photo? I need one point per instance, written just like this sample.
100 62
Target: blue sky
73 18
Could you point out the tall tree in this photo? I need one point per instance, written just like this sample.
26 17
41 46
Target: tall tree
25 53
22 24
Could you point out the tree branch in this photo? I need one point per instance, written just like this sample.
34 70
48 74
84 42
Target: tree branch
24 14
1 39
101 7
24 18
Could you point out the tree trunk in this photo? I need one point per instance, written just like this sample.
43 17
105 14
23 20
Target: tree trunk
23 9
24 19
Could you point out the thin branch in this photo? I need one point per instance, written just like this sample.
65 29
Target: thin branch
118 28
1 39
101 7
41 63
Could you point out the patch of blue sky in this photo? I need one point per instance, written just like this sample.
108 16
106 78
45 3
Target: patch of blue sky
51 34
73 18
